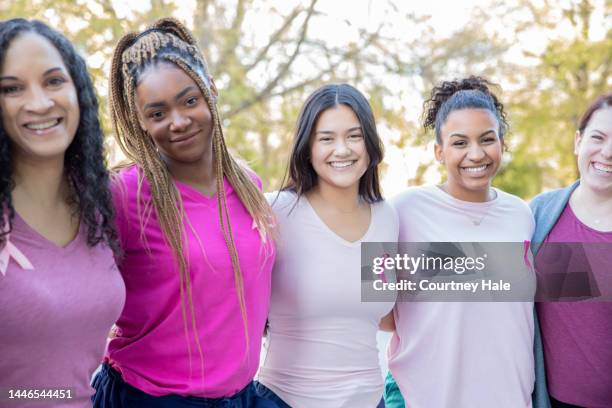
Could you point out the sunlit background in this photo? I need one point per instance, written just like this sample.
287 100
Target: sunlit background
550 59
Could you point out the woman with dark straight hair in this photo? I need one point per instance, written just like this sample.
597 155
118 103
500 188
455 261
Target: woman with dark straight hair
321 338
60 290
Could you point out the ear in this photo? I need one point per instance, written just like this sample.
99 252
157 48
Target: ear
438 152
577 140
213 87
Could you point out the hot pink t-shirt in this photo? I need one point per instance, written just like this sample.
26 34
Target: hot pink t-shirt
151 350
55 318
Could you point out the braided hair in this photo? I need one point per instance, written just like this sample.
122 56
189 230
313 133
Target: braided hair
168 40
473 92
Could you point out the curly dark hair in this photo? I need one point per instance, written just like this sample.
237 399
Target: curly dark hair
472 92
84 162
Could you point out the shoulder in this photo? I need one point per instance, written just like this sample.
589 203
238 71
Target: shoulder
282 200
512 201
125 179
544 199
412 196
386 210
253 176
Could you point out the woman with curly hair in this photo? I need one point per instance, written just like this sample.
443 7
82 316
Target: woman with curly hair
464 354
196 234
60 290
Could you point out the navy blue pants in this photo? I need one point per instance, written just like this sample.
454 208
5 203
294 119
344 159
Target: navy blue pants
268 394
113 392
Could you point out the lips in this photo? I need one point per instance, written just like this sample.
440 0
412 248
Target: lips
184 138
40 126
476 169
342 164
601 167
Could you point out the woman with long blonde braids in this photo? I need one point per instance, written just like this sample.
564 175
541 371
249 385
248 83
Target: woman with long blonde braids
195 231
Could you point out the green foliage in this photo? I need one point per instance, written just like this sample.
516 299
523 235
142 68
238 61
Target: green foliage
265 70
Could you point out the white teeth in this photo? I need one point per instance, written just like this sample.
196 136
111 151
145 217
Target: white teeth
42 126
474 169
602 167
341 164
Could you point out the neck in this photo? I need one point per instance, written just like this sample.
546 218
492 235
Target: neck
199 174
478 196
342 199
42 183
593 202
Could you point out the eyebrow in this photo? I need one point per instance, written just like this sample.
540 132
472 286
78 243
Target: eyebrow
330 132
457 134
185 91
47 72
51 70
598 131
178 96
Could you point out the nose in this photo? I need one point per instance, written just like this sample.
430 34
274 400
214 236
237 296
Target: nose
38 100
475 152
180 122
341 147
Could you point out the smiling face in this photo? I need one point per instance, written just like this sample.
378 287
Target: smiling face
38 100
594 152
173 111
337 149
471 151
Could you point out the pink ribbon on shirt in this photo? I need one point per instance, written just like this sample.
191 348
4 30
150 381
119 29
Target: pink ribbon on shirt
526 245
11 251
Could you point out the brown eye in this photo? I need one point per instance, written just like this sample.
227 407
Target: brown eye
56 81
9 89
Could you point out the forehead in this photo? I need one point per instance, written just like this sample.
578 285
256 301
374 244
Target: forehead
469 120
337 117
163 80
601 120
30 54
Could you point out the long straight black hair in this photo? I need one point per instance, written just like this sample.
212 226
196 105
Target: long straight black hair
302 176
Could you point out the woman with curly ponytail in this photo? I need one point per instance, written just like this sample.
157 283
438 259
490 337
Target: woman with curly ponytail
60 290
196 234
465 353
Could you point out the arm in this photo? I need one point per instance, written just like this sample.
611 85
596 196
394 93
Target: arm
387 323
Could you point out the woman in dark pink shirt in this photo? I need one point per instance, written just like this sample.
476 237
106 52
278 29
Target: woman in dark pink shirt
577 336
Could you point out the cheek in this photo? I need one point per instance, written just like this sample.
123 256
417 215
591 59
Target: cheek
7 114
584 153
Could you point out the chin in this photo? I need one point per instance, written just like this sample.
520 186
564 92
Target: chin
598 186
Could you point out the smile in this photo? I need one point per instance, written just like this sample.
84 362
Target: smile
476 169
603 167
342 164
184 138
40 126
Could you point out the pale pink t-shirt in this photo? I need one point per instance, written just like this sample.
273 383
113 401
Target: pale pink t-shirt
322 349
463 354
151 350
55 318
